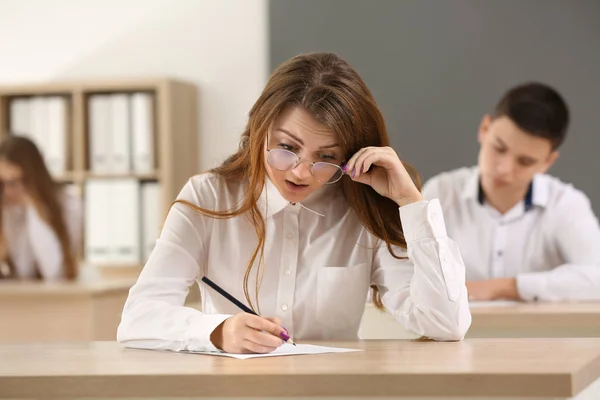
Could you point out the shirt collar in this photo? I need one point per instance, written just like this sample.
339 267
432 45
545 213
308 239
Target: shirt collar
471 189
537 197
271 201
540 195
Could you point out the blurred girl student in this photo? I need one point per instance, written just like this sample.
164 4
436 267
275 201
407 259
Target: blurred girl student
41 222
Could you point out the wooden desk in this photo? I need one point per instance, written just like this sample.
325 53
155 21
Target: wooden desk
504 320
66 311
46 312
477 368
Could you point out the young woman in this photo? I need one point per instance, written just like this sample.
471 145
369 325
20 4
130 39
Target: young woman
312 210
41 223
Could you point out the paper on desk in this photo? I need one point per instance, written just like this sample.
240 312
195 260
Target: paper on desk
284 350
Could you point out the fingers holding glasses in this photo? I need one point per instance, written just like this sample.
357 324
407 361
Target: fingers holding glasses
353 164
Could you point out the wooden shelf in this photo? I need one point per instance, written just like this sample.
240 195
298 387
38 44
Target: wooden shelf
68 177
175 109
117 85
151 176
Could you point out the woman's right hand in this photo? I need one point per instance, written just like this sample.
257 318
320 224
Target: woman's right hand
248 333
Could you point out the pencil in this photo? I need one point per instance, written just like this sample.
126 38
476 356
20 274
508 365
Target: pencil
240 305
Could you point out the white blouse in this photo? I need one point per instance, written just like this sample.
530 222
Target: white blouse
31 241
318 264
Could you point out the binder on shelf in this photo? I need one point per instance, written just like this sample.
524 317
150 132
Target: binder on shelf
99 125
152 217
40 120
97 220
112 221
56 154
142 129
120 143
43 119
124 222
20 118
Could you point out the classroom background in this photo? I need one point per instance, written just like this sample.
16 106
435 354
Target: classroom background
434 67
84 68
129 98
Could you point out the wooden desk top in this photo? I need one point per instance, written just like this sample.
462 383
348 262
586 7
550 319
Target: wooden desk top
519 315
507 314
17 288
476 367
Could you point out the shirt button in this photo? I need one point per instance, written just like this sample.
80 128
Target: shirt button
290 236
284 307
287 272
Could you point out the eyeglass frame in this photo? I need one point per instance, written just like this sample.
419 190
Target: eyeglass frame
11 183
300 160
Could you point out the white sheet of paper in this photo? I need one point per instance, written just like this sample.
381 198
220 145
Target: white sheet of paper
284 350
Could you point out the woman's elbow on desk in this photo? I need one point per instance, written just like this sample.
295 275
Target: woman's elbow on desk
443 324
133 322
124 330
451 331
128 334
459 330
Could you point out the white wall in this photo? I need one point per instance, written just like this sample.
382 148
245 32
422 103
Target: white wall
221 45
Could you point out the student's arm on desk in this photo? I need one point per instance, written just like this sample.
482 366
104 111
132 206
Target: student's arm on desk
426 293
154 316
577 237
492 289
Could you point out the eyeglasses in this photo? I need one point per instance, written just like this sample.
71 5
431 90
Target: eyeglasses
11 183
284 160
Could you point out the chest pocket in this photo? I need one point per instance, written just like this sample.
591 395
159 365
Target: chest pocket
341 297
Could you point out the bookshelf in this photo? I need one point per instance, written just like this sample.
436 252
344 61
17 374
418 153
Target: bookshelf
172 110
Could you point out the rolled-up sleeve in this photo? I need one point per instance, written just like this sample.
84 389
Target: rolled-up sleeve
425 292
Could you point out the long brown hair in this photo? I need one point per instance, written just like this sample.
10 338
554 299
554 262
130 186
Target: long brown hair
45 192
329 89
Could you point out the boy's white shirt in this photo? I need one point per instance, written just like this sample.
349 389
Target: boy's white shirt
553 249
317 270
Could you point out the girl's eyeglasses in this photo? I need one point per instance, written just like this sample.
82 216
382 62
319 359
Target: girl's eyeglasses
284 160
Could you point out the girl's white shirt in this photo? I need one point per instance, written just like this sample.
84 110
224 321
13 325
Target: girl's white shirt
32 243
319 261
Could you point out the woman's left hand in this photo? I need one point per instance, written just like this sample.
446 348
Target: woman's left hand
380 168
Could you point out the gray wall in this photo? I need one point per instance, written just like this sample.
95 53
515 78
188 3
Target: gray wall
436 66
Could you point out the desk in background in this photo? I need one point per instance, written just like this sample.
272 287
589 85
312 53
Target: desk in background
62 311
471 369
503 319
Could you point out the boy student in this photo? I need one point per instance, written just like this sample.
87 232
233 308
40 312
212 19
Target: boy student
523 234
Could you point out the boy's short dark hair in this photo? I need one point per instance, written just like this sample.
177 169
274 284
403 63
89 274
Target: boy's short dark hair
537 109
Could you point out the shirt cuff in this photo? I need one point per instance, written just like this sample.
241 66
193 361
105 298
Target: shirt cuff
197 337
530 286
423 219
